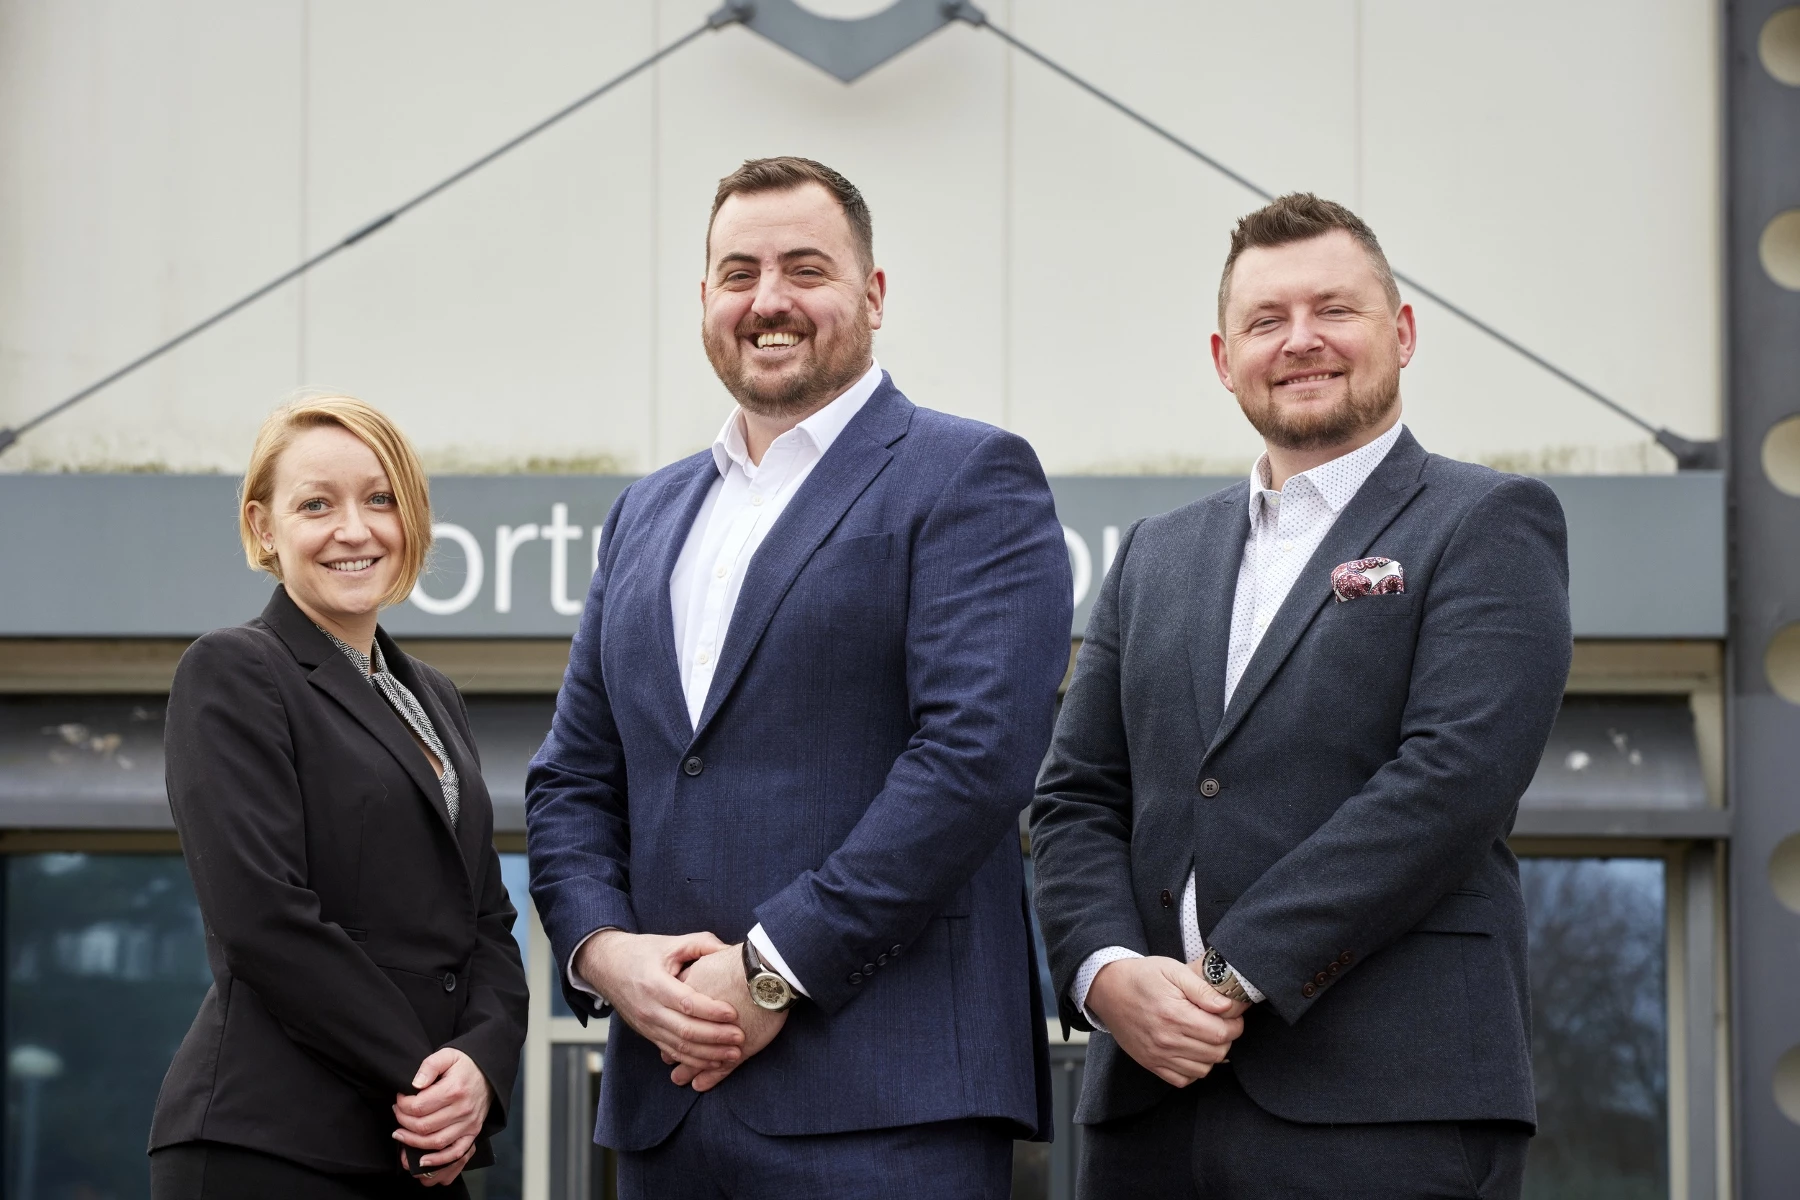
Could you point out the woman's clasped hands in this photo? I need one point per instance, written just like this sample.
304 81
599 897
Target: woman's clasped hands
445 1114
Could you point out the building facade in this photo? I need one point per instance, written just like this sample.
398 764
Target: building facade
1577 177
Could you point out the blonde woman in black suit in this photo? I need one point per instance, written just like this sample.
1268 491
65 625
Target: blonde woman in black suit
368 995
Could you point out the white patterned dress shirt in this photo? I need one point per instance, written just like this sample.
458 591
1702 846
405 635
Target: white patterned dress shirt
1286 526
741 507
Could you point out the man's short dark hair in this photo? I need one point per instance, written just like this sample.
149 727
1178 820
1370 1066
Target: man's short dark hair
1299 217
786 172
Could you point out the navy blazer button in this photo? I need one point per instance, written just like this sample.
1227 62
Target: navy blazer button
855 977
895 951
449 981
881 960
1209 788
1319 979
1344 958
1168 898
868 968
1308 991
1332 969
692 766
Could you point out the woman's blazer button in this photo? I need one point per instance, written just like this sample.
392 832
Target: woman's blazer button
692 766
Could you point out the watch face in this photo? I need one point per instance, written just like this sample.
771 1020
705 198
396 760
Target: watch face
1214 968
770 991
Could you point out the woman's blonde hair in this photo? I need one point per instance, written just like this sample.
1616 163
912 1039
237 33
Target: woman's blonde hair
406 478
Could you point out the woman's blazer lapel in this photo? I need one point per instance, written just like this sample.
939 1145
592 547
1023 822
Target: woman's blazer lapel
334 674
470 829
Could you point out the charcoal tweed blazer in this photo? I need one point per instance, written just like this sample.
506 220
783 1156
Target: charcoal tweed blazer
1351 859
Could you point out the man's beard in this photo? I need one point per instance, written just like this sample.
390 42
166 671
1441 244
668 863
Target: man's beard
834 367
1317 428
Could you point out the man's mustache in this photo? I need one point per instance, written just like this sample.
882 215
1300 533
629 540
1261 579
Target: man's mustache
752 325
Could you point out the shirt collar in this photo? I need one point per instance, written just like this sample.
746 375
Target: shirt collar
822 428
366 665
1338 485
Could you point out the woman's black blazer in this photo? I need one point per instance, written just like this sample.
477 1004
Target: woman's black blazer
351 929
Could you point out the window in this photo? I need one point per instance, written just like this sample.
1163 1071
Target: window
1599 1045
105 969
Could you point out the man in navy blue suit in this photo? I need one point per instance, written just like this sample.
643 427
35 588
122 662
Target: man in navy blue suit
773 830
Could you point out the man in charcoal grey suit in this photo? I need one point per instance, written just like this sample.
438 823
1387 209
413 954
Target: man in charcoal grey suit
1270 838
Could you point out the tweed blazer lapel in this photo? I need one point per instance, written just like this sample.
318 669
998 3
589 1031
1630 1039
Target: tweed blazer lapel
859 454
1388 490
1215 552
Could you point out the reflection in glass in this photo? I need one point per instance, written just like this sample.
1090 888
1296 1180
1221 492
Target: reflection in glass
105 968
1599 1045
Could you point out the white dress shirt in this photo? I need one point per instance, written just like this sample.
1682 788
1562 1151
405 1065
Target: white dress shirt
740 508
1286 527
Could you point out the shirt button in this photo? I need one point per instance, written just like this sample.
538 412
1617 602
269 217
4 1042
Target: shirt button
756 501
705 657
722 571
692 766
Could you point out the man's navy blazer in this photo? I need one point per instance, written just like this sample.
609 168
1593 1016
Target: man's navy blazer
883 700
1346 814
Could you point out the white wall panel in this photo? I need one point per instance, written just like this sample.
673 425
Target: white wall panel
1119 237
1551 167
148 175
508 319
1052 266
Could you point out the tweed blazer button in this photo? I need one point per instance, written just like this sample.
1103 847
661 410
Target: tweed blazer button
1308 991
1209 788
693 766
1345 958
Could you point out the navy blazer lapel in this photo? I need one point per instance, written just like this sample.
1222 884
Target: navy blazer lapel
1216 552
857 456
334 674
688 498
1388 489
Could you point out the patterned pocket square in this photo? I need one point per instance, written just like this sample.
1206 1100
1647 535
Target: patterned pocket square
1367 577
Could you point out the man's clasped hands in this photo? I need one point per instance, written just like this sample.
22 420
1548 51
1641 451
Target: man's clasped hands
1166 1016
689 996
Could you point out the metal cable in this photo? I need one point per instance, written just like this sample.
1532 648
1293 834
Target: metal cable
1689 454
728 14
